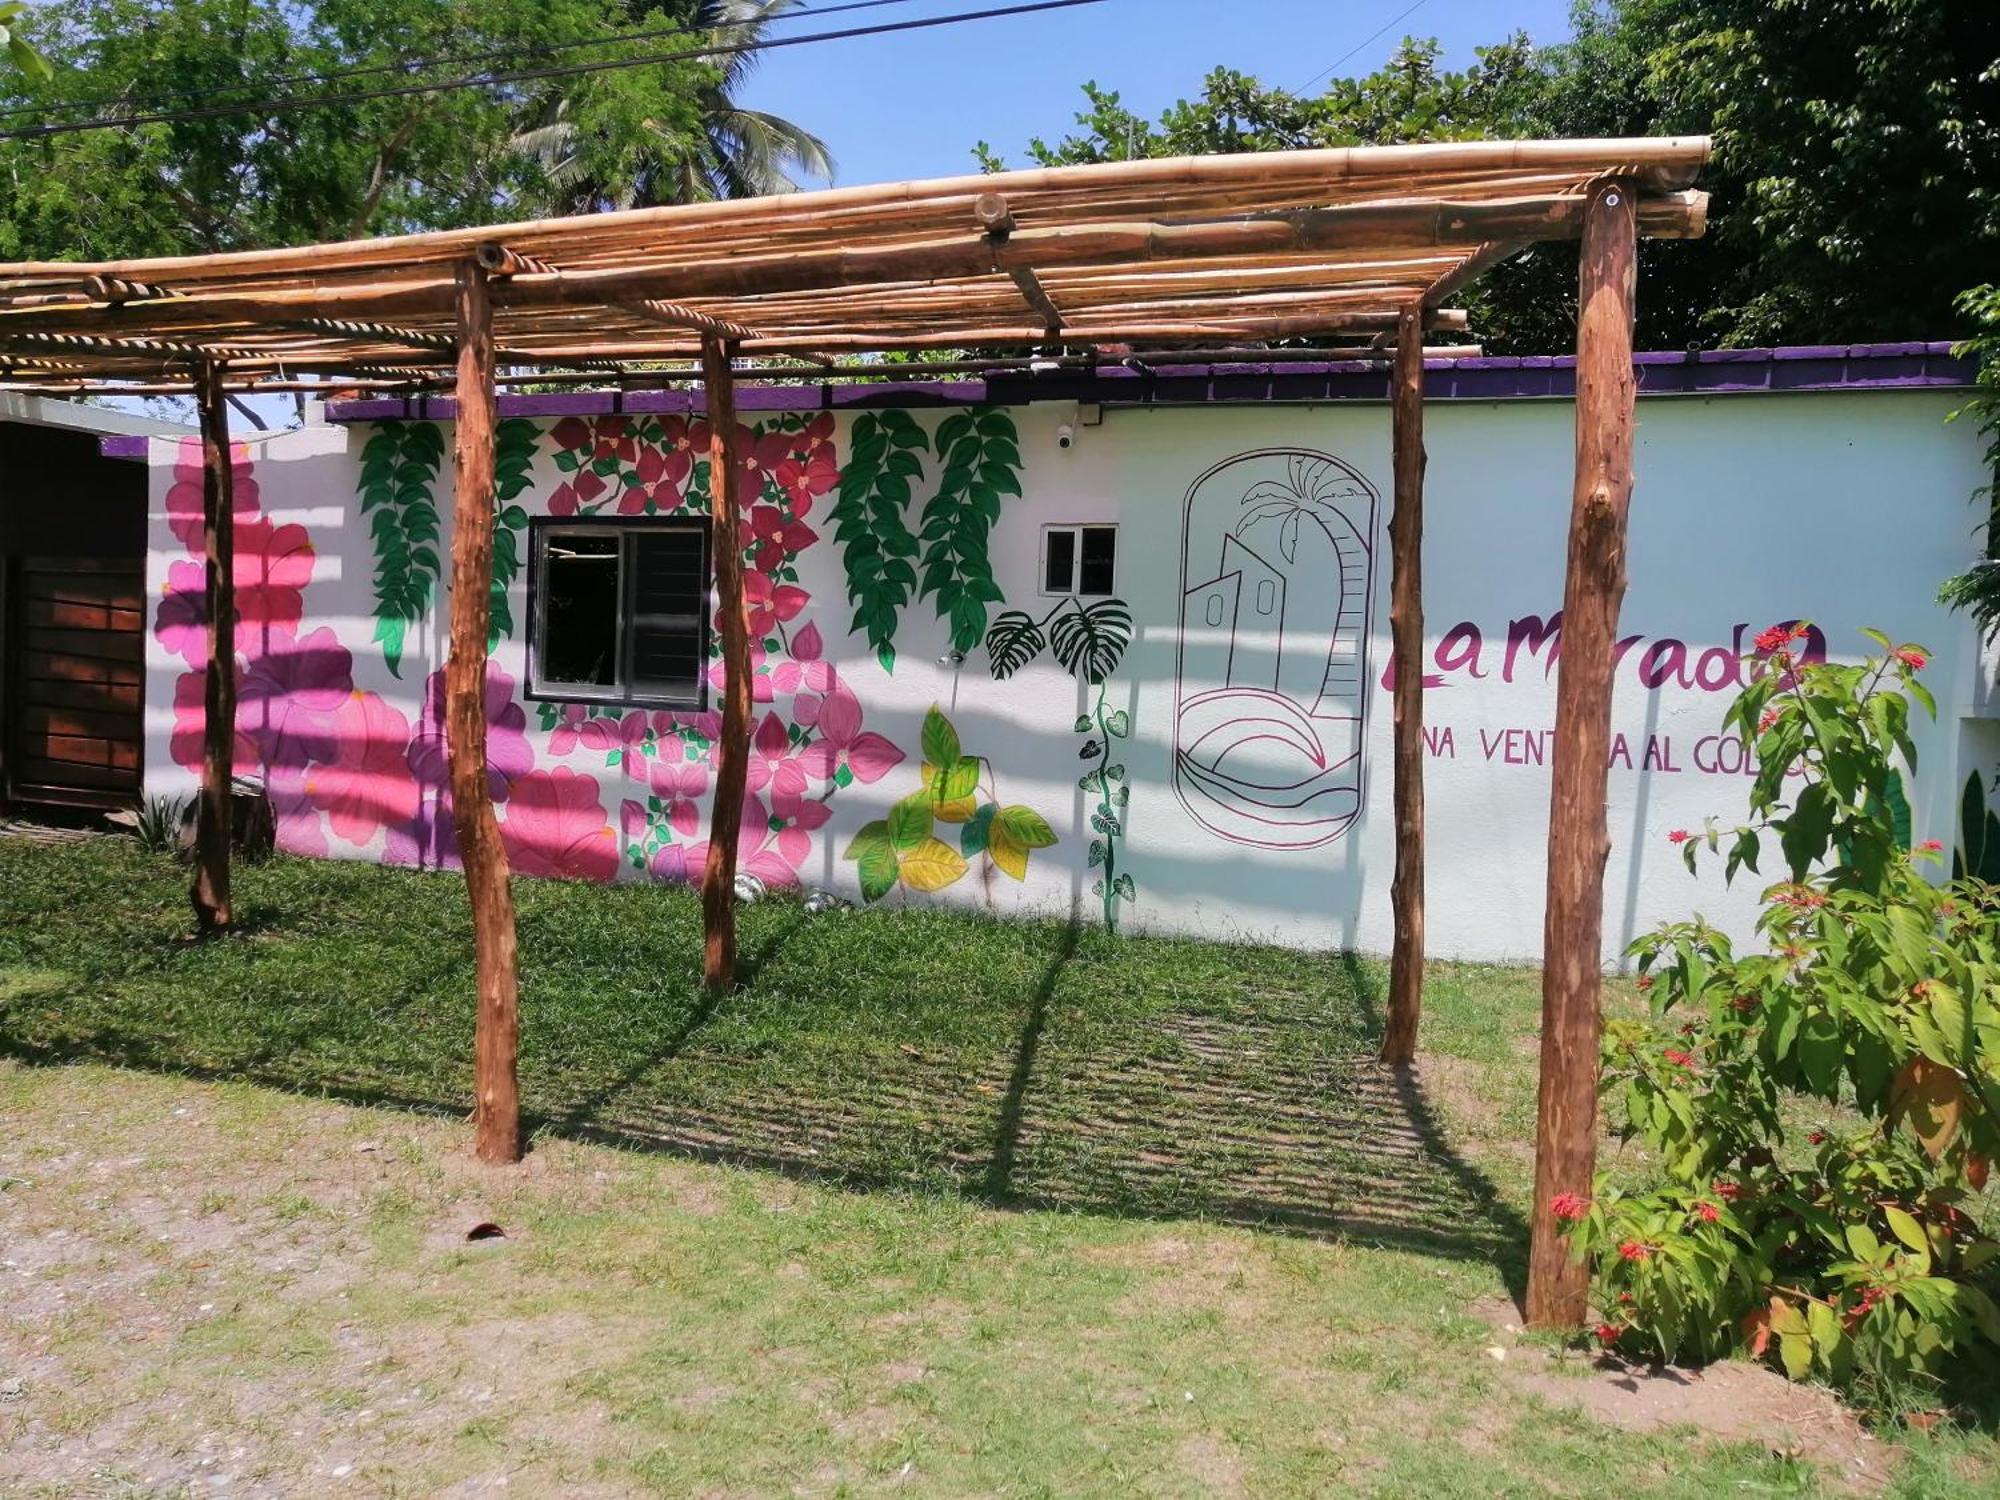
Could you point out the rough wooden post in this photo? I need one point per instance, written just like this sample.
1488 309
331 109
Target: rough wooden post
212 828
1572 935
718 878
1406 626
497 1030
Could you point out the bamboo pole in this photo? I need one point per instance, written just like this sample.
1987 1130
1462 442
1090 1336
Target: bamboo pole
497 1029
718 880
1406 623
1594 586
1667 162
213 823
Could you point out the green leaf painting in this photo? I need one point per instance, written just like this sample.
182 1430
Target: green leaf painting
877 547
513 465
1978 854
982 463
1089 640
905 848
399 469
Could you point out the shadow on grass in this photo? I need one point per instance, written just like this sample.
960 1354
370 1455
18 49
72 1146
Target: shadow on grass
1022 1065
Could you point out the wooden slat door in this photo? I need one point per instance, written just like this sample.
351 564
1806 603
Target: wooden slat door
76 679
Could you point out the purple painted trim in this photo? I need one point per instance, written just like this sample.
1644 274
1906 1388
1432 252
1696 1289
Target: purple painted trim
1819 367
123 445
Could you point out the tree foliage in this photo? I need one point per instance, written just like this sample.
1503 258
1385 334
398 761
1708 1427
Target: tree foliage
365 166
1856 180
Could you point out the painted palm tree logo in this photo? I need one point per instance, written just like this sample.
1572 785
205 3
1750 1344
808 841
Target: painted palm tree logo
1271 693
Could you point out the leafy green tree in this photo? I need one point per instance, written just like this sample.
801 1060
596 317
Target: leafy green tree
1856 183
734 151
238 180
23 56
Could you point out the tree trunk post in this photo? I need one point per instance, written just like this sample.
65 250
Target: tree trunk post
718 878
1406 626
213 819
1594 586
497 1030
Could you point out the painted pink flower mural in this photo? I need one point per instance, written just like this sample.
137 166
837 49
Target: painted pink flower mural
554 824
347 770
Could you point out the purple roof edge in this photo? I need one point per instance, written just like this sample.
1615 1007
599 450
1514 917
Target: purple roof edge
1812 367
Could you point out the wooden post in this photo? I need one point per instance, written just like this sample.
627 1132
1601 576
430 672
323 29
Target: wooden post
1572 934
1406 625
497 1030
718 877
212 828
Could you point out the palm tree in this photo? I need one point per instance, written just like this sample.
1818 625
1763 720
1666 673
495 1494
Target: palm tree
735 153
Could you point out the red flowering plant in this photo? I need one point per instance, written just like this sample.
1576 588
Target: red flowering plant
1857 1253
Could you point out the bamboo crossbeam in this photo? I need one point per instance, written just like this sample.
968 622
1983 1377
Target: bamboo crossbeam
499 261
1665 163
1038 299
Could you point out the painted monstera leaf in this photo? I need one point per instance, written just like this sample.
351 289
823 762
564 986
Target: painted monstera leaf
1978 852
1091 641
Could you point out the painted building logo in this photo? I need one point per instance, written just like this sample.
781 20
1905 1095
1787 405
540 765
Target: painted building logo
1271 684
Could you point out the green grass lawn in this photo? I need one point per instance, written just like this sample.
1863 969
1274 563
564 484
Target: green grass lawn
1136 1216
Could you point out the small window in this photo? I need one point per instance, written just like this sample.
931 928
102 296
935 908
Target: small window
1080 560
620 611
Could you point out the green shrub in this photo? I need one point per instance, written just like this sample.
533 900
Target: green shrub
1851 1255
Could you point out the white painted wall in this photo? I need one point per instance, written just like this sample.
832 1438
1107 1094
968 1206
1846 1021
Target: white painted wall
1843 508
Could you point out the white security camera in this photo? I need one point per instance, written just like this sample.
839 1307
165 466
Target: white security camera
1066 436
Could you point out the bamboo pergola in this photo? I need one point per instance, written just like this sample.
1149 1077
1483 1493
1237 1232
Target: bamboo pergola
1221 254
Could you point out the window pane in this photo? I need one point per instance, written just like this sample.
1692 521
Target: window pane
1061 571
580 609
669 609
1100 553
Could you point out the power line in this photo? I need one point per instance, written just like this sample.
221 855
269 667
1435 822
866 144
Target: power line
419 65
491 80
1410 11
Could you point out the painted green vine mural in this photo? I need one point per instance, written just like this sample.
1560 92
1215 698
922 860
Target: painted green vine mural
981 464
877 545
513 465
958 789
399 469
399 472
1089 641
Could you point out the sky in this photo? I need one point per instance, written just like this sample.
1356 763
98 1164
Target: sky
911 105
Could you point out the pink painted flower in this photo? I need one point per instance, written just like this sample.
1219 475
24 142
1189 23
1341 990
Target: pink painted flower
836 719
806 669
569 725
185 742
658 480
771 604
509 756
680 786
184 495
805 477
581 493
180 624
633 821
760 676
273 566
624 737
288 699
756 853
777 539
775 764
554 825
367 783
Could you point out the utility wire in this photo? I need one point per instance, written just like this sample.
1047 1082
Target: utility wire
1410 11
420 65
491 80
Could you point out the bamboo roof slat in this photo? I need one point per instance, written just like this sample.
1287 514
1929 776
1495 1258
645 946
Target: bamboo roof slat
1148 253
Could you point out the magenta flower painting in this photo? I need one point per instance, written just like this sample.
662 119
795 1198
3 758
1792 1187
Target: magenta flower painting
555 825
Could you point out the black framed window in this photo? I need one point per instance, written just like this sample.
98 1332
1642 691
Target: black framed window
619 611
1080 560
